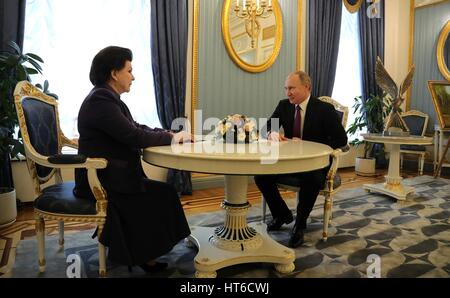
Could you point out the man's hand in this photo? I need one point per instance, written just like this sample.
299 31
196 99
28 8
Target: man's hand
276 137
182 137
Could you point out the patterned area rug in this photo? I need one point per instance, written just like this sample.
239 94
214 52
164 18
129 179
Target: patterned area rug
412 239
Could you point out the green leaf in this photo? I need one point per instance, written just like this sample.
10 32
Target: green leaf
36 65
12 60
17 147
53 95
21 73
35 57
3 58
31 71
14 46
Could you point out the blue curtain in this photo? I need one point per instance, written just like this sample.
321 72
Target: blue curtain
324 34
12 22
12 25
371 28
372 45
169 21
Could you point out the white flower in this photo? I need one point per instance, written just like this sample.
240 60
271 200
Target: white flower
238 125
220 129
241 136
249 126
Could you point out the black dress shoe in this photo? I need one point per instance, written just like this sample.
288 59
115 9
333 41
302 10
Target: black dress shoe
276 223
157 267
297 238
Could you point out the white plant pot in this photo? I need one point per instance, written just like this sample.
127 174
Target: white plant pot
365 166
8 208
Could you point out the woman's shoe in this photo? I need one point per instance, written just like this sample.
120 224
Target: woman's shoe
157 267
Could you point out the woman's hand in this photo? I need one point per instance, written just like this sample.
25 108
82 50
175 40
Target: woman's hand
182 137
276 137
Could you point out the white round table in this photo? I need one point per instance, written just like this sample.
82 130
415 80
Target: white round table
236 242
393 186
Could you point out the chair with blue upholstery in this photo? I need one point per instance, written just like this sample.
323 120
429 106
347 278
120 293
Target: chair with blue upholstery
333 179
417 123
43 141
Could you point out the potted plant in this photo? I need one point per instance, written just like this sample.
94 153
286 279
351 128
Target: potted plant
371 114
15 66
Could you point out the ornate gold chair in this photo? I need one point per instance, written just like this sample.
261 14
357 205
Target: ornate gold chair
43 141
417 123
333 179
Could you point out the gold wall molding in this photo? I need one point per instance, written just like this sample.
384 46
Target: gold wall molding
195 37
411 48
429 4
413 7
257 67
442 64
299 33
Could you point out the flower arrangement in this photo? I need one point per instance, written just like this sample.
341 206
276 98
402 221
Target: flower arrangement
237 129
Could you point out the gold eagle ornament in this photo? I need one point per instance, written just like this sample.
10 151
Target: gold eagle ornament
394 123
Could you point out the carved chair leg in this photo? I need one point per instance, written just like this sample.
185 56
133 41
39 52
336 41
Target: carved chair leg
326 216
61 233
422 162
40 236
401 161
101 254
331 209
264 208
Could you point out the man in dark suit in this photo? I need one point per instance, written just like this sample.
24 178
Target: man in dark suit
306 118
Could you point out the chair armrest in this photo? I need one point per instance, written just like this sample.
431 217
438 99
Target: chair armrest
90 163
333 168
69 143
65 159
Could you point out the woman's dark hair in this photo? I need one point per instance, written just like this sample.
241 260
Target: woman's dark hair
107 60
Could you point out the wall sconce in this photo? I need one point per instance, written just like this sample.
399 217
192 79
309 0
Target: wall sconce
250 10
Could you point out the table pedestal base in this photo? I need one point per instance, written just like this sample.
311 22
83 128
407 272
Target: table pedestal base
393 186
210 258
398 192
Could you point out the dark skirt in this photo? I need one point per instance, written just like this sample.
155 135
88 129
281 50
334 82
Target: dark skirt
143 226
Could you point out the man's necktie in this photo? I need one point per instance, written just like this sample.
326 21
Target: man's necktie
297 122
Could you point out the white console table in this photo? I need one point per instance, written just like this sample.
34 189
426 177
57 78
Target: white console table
393 186
439 144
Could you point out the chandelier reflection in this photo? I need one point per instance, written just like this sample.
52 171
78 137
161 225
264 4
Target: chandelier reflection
250 11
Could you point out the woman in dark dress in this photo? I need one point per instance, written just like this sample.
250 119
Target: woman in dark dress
144 218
